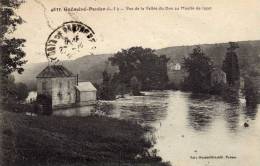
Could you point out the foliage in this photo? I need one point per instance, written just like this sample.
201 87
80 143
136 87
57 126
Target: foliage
11 56
8 90
217 89
135 86
43 104
106 90
198 67
11 53
230 64
14 93
173 86
149 68
36 140
22 91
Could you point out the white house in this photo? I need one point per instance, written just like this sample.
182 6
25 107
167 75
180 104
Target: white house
177 66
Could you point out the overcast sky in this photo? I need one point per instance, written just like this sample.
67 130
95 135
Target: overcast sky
232 20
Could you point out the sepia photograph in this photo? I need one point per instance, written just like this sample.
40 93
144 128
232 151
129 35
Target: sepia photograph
129 83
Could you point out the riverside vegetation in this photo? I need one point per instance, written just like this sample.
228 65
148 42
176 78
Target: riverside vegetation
92 140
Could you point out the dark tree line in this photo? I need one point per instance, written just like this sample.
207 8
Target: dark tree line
230 65
139 69
144 64
199 67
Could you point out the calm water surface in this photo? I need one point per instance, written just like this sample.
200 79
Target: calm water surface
188 126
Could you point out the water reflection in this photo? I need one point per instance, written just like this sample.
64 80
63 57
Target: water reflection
146 109
199 119
78 111
203 110
231 115
250 112
200 114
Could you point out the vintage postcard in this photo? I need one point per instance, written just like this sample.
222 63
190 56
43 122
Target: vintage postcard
130 83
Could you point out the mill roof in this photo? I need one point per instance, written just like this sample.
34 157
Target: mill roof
85 87
53 71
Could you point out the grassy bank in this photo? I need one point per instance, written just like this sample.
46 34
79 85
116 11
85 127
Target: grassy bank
92 140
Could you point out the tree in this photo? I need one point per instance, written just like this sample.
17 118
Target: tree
149 68
8 90
107 90
11 53
199 68
21 91
230 64
135 86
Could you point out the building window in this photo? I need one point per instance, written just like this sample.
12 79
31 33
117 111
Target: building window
59 95
68 84
44 85
69 96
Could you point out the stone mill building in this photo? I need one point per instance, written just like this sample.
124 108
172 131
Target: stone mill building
63 87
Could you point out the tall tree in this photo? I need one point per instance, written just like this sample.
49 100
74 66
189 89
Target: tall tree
230 64
106 89
198 67
10 49
21 91
11 53
149 68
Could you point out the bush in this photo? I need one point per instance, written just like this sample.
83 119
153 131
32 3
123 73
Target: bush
44 104
172 86
22 91
218 89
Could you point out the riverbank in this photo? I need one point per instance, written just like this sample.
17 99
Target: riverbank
92 140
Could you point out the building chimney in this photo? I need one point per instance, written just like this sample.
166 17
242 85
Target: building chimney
77 79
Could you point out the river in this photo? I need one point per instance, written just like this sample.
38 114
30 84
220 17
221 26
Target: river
190 130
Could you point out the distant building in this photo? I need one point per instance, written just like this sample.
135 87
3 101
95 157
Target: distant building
218 76
177 66
175 73
174 66
60 84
